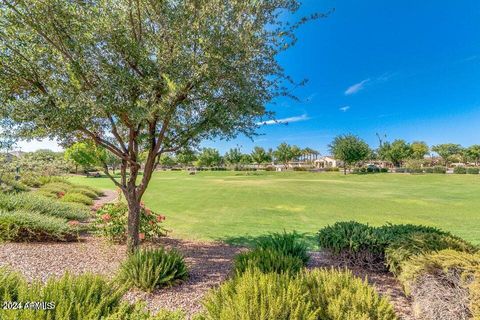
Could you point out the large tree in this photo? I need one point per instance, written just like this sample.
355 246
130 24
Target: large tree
419 149
141 75
286 153
233 156
350 149
395 152
472 153
260 156
448 151
84 154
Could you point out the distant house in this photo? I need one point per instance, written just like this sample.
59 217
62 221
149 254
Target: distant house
327 162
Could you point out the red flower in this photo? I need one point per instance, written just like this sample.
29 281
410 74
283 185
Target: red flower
73 223
60 194
141 236
142 204
160 218
106 217
148 212
151 222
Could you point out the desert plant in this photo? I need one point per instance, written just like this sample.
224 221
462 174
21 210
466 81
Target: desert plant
318 294
32 226
289 244
43 205
440 284
267 260
111 222
148 269
77 198
10 283
415 244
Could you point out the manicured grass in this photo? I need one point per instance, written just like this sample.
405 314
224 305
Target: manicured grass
238 206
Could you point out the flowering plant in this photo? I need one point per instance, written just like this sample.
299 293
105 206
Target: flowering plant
111 222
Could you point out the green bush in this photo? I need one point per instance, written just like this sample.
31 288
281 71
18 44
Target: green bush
112 218
318 294
460 170
360 244
439 169
51 179
415 244
69 297
473 170
77 198
267 260
289 244
300 169
384 170
443 285
12 186
43 205
10 284
150 268
332 169
138 311
58 188
32 226
86 192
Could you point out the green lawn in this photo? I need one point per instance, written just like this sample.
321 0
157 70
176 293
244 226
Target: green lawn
238 206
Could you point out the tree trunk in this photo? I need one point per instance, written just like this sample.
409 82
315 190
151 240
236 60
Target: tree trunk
345 170
133 226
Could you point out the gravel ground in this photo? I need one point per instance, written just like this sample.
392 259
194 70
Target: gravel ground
209 264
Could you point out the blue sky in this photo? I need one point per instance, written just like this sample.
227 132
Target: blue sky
406 69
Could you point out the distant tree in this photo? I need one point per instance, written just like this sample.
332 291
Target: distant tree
84 154
308 154
111 161
350 149
233 157
167 160
448 151
7 141
186 157
419 149
246 159
209 157
260 156
286 153
395 152
472 153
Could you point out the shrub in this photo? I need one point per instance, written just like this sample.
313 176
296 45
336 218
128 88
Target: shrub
77 198
289 244
460 170
332 169
43 205
31 181
32 226
51 179
415 244
150 268
138 311
401 170
439 169
359 244
300 169
12 186
448 272
384 170
86 192
354 243
10 283
69 297
318 294
112 218
473 170
267 260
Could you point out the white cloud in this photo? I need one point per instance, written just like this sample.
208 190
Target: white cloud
356 87
303 117
35 145
344 108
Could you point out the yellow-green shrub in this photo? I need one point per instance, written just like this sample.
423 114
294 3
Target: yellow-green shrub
77 198
267 260
318 294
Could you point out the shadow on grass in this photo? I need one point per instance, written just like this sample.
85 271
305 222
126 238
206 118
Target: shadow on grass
249 240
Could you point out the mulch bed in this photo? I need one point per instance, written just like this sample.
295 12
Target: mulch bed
209 264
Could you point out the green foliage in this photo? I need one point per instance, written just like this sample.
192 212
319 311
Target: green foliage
137 311
209 157
267 260
148 269
473 170
77 198
415 244
419 150
10 284
260 156
395 152
350 149
448 151
436 169
31 202
32 226
361 244
69 297
85 154
318 294
288 244
112 218
12 186
460 170
286 153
